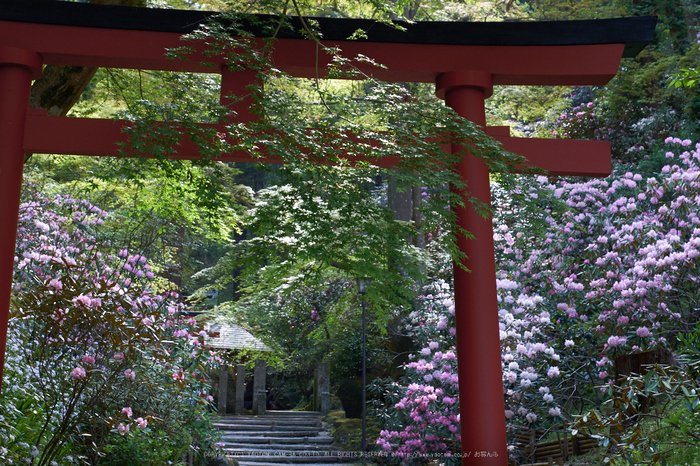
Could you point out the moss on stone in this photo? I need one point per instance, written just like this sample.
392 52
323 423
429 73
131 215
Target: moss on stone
347 433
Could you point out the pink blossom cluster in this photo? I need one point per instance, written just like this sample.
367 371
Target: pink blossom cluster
426 415
615 260
528 361
126 423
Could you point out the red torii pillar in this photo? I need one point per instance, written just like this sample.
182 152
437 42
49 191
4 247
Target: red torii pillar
18 67
476 304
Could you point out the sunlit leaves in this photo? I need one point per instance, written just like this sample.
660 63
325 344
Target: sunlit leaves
330 216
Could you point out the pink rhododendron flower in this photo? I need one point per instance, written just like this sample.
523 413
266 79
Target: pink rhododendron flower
82 300
56 284
78 373
616 340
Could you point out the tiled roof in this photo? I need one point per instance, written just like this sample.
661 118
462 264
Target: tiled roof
233 336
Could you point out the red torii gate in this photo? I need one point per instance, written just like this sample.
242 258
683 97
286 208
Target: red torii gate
464 60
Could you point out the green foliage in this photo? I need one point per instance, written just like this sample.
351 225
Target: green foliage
155 215
306 325
305 232
648 100
635 112
21 426
685 78
176 212
93 352
327 220
152 447
557 10
676 21
523 106
347 433
653 418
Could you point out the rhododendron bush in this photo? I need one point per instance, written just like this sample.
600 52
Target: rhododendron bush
592 270
617 262
95 357
421 413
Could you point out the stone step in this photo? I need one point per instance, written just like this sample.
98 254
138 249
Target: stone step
263 417
276 433
287 456
263 421
244 446
318 440
262 427
269 463
280 415
279 438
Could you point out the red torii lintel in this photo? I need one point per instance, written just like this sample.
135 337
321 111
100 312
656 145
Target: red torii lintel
97 137
464 60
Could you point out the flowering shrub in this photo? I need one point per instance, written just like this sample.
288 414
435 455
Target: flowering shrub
421 414
619 261
93 353
580 122
591 271
616 262
530 362
635 132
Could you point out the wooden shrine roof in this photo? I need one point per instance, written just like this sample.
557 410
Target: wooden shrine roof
234 337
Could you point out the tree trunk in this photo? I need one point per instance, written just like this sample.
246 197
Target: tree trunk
60 87
637 363
419 239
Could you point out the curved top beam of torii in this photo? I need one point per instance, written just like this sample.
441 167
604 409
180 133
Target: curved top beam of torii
465 60
519 53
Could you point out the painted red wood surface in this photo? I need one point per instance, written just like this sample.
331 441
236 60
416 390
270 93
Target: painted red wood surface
92 136
518 65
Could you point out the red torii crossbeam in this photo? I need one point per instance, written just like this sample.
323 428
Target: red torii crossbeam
464 60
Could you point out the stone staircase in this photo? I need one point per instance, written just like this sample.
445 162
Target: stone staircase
279 438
